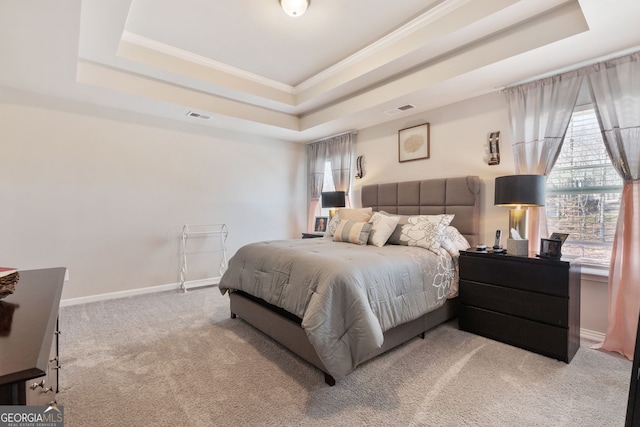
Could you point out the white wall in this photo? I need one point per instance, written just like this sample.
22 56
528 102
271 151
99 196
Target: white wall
459 146
107 198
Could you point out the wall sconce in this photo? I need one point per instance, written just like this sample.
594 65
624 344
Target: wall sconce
359 170
494 148
518 192
332 200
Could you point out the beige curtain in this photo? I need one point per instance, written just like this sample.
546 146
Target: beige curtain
539 114
615 90
340 154
316 158
338 150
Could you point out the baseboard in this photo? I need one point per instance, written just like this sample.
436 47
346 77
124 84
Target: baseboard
140 291
591 335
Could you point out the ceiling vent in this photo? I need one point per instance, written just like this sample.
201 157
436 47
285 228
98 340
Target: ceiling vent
198 115
398 110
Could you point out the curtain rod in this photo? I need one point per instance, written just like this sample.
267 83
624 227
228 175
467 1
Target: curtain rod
574 67
353 131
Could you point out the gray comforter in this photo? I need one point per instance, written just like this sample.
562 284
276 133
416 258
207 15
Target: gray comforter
346 295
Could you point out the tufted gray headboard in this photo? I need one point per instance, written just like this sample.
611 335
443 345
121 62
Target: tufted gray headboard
459 196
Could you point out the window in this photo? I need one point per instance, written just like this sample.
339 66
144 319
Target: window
584 191
327 185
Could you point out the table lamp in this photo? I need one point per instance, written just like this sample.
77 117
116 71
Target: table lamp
332 200
520 192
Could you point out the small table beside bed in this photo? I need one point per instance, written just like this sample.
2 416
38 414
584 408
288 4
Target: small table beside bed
383 274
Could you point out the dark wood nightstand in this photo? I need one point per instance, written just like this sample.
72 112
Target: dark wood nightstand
311 235
530 303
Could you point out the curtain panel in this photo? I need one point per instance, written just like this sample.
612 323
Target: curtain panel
338 150
615 90
316 158
539 114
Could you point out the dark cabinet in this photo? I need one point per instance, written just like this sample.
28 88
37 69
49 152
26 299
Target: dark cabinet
29 339
529 303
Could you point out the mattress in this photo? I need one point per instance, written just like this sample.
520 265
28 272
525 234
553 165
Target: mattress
347 295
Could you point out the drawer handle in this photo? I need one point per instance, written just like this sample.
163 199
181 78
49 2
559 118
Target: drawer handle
41 384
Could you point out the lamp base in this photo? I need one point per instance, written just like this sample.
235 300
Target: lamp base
518 221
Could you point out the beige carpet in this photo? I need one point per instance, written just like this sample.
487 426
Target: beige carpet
172 359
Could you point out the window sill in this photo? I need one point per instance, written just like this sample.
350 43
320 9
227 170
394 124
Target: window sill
595 273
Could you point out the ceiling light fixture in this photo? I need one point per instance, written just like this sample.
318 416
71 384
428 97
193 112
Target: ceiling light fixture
294 7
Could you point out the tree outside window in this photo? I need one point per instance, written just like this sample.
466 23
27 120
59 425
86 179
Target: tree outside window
584 191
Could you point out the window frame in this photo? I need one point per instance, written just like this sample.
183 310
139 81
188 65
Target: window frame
596 266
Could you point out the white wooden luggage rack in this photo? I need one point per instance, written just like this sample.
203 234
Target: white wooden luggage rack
190 231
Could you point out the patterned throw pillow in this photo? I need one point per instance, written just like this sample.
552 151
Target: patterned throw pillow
357 214
425 231
383 227
352 232
331 227
454 242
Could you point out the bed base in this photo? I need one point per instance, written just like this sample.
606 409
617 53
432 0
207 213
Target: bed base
286 329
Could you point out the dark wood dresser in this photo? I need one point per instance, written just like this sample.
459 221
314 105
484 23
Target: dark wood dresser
529 303
29 339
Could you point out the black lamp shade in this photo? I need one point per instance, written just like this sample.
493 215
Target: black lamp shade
524 190
333 199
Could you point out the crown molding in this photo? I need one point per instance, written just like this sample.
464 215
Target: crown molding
191 57
396 36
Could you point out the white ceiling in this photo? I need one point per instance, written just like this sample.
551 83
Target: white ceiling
341 66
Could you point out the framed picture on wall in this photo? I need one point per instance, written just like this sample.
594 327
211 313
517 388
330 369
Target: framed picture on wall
413 143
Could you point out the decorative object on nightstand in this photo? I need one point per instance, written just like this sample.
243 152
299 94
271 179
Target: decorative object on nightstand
8 279
529 303
320 225
516 245
332 200
550 249
519 192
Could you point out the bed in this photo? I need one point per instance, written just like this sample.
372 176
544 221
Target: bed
336 303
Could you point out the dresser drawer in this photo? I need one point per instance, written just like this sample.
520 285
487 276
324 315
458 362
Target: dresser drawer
514 272
528 305
537 337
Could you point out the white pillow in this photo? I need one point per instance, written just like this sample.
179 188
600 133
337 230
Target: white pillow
383 226
355 214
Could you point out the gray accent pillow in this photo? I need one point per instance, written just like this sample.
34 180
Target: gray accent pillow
352 232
